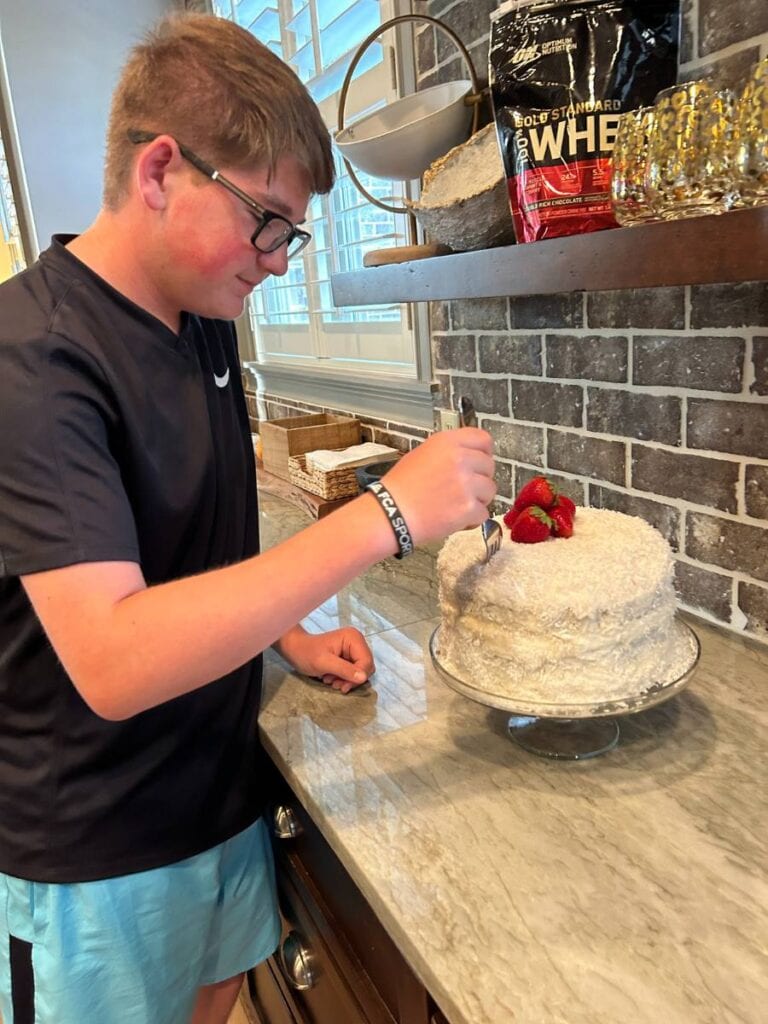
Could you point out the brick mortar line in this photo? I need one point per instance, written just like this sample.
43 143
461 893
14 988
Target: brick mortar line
288 400
728 573
651 390
694 26
704 453
750 377
728 51
735 607
743 397
630 357
707 616
630 333
456 55
397 433
736 575
583 432
684 421
672 449
584 403
739 577
725 624
679 504
450 7
741 489
686 507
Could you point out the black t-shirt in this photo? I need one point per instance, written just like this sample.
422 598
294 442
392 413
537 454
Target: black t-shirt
119 441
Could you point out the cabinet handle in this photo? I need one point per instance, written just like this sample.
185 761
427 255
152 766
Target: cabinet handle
285 824
297 962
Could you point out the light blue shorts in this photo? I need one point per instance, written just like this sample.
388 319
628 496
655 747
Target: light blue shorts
135 949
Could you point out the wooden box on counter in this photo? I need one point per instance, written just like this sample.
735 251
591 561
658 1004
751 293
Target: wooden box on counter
296 435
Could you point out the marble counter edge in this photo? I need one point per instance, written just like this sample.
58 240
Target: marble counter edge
333 836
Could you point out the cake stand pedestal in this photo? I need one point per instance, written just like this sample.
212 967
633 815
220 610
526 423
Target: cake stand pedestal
570 732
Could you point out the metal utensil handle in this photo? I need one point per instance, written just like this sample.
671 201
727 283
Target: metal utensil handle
490 529
467 414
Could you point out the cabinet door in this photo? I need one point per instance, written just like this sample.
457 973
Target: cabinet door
377 970
324 984
270 1002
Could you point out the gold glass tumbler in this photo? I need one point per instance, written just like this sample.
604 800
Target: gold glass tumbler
751 139
690 167
630 153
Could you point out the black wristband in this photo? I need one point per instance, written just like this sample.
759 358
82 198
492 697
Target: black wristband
395 516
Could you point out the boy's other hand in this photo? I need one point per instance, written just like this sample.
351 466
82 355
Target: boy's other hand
341 657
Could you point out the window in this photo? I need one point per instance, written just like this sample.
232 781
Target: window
293 318
11 249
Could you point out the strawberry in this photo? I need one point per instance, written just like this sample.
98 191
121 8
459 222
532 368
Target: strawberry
510 516
538 491
562 523
565 503
531 526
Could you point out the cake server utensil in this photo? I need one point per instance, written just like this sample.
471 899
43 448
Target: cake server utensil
490 529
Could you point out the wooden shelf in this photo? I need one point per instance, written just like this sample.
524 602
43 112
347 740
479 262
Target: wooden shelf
724 249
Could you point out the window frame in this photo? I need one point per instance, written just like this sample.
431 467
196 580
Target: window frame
11 146
400 397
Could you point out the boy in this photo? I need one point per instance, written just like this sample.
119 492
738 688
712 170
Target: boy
136 883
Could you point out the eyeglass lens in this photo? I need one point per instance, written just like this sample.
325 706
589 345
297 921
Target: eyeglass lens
272 234
270 240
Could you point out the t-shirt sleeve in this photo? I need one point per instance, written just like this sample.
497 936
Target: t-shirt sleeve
62 498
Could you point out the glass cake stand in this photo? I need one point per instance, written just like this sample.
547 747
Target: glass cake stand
570 732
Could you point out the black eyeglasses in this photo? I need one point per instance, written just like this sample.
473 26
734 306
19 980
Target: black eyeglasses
274 229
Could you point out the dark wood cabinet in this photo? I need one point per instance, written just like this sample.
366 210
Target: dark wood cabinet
335 963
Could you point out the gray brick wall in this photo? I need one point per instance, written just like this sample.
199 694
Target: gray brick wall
652 402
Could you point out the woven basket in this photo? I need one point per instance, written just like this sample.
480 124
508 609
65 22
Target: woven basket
335 483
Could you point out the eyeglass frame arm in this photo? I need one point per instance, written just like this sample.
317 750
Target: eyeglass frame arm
137 136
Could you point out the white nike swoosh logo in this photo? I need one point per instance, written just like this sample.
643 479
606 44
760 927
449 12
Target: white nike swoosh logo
221 382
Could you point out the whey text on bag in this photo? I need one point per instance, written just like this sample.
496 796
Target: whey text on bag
561 74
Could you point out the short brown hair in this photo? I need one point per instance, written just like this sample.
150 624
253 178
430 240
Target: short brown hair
219 91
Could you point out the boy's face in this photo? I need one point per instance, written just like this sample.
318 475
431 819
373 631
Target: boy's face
209 262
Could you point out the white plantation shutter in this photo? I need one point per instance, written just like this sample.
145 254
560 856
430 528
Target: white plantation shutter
293 318
12 260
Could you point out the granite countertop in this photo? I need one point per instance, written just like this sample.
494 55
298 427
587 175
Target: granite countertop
630 888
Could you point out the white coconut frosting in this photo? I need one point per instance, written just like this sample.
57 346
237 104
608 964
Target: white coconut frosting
569 620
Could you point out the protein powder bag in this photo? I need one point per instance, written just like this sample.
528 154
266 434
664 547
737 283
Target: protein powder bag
561 74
